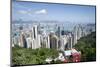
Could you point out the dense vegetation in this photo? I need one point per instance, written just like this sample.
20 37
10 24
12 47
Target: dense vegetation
23 56
87 46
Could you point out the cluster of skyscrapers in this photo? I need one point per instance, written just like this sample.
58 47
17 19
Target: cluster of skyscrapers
39 38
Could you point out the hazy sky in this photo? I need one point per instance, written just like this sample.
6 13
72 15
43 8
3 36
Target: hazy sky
60 12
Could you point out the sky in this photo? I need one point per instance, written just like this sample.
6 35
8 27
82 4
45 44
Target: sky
30 11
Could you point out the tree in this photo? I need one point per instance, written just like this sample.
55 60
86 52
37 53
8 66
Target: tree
23 56
87 46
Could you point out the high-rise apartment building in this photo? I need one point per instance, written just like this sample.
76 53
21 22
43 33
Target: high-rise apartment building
22 40
53 41
64 42
75 35
70 42
29 42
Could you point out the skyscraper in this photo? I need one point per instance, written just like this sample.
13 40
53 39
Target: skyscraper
77 33
53 41
14 40
34 32
22 40
64 42
59 31
29 42
45 41
59 36
35 37
70 41
48 41
74 35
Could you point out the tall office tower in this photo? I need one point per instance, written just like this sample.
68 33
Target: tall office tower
22 40
34 32
59 36
35 37
39 28
70 41
53 41
59 32
48 41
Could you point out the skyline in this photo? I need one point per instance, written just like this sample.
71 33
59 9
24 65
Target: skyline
50 11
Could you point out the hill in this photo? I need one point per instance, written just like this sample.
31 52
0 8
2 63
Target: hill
87 46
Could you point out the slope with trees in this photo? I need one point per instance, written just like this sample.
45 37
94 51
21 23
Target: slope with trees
87 46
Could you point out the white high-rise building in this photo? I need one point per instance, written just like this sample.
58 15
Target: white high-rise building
70 42
53 41
64 42
48 41
29 42
34 32
22 40
38 41
14 41
79 32
75 35
35 37
45 41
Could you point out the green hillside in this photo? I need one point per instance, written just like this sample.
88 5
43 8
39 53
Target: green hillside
87 46
23 56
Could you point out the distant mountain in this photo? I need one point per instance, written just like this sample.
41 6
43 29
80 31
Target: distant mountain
43 21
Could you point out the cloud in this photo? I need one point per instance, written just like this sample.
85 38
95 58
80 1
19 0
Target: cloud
42 11
32 12
22 12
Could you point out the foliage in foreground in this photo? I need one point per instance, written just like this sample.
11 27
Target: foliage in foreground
87 46
23 56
